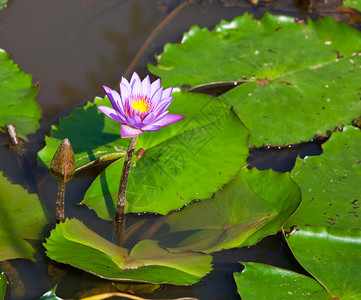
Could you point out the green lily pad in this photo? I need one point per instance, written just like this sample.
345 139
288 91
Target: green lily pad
75 244
17 98
299 81
332 256
330 183
259 281
255 204
356 4
21 217
191 160
3 285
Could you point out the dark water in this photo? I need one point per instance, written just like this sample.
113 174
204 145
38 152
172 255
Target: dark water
72 48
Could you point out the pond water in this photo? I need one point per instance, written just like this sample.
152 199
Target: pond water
72 48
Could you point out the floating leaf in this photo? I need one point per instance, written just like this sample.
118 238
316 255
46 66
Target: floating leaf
3 285
21 216
281 100
259 281
332 256
253 205
17 98
190 160
356 4
3 3
75 244
330 183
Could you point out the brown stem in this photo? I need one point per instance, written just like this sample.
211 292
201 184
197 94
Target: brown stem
124 179
60 214
154 33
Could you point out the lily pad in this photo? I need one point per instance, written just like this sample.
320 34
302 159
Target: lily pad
255 204
330 183
332 256
191 160
17 98
21 217
3 285
259 281
75 244
356 4
298 81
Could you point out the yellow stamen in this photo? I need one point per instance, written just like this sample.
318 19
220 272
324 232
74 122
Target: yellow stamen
140 105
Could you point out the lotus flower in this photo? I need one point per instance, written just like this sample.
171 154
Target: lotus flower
140 106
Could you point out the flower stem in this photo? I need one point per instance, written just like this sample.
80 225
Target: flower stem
124 179
60 214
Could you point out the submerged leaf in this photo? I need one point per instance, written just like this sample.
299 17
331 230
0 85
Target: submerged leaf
75 244
255 204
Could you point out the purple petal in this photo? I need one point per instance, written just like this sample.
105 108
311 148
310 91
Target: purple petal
129 131
151 127
154 87
157 96
167 92
159 116
148 119
124 92
129 120
113 97
146 86
136 84
126 83
163 104
111 113
168 119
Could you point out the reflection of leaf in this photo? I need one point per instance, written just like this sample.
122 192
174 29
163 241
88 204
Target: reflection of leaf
253 205
191 159
17 98
73 243
332 256
259 281
299 80
330 183
21 216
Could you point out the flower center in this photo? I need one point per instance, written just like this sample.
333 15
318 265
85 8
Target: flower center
141 104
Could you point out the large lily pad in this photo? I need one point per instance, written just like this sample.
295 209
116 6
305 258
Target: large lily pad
332 256
299 81
21 217
330 183
191 160
259 281
17 98
253 205
75 244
